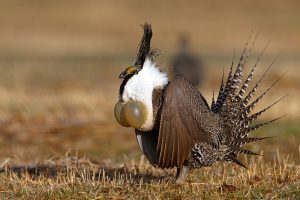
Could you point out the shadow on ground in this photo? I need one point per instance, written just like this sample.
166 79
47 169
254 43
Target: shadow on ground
87 169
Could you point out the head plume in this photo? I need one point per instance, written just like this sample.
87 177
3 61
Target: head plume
144 47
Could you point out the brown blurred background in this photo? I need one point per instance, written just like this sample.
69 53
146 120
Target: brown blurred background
60 61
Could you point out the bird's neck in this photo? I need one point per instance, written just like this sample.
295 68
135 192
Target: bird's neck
140 88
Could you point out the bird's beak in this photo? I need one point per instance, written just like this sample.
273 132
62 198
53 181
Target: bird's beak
123 75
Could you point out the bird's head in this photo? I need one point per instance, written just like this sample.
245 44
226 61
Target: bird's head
134 108
144 51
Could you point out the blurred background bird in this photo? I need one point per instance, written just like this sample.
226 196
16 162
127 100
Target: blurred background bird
186 63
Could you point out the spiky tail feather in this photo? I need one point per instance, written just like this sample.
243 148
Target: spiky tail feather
234 108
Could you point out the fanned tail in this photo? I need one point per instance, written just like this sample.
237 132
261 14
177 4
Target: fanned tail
232 104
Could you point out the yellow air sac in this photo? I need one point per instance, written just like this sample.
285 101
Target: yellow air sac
130 114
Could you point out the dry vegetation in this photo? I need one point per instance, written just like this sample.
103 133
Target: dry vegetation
81 178
59 63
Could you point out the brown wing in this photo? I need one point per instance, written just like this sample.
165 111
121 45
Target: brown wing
148 144
184 112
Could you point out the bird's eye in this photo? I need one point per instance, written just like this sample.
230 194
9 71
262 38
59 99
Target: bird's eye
130 114
131 70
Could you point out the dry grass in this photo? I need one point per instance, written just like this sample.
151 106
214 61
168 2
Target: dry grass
81 178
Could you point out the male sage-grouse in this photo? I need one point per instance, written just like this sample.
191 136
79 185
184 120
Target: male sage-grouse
174 125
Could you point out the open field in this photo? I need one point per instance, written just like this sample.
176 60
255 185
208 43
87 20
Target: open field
74 177
59 67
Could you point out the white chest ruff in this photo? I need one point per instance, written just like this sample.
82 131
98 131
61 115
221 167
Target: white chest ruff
140 88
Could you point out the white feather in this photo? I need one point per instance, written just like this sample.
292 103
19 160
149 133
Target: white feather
140 88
